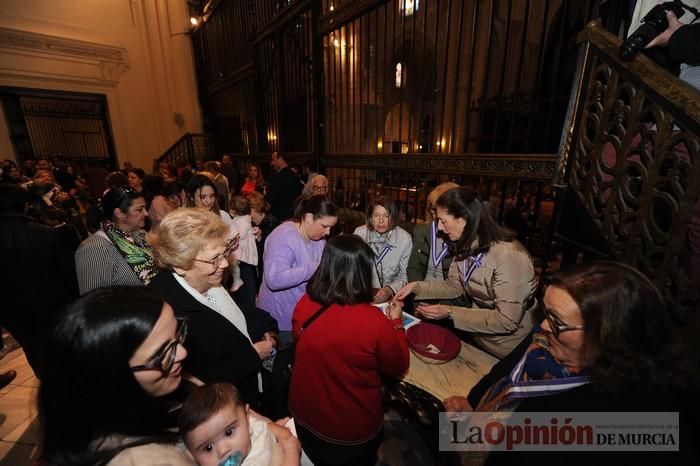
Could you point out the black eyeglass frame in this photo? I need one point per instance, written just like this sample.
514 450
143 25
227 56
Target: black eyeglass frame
157 360
230 247
557 329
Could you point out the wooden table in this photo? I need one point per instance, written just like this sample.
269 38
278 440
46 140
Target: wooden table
455 377
419 394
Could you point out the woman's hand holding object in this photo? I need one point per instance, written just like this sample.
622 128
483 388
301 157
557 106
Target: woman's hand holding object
394 310
383 295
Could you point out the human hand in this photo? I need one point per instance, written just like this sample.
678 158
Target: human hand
662 39
62 196
394 310
433 311
257 232
405 291
271 336
383 295
233 244
289 443
457 404
264 348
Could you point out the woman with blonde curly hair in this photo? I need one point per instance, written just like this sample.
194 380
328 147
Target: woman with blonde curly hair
225 343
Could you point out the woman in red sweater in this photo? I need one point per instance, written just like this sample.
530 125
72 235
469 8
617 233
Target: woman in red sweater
343 345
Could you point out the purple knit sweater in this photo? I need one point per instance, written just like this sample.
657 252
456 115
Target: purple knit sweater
290 260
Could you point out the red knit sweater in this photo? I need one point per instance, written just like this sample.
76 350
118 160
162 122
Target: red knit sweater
336 389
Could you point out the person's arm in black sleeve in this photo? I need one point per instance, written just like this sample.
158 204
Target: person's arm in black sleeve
684 44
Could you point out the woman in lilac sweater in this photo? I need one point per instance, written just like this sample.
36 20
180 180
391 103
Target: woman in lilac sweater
292 254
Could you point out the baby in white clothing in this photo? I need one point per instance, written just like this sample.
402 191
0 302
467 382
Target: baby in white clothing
219 430
247 252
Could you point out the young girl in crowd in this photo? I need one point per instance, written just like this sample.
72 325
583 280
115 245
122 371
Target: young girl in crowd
218 429
245 283
202 193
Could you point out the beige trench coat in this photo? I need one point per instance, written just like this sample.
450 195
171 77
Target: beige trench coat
502 293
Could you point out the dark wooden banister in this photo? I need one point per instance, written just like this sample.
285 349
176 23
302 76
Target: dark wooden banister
185 145
629 162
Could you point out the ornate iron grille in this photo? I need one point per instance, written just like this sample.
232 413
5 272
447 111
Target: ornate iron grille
629 158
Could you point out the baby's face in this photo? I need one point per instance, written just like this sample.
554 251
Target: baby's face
223 439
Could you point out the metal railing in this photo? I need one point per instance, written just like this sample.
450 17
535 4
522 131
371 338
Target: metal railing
188 149
381 77
629 171
517 186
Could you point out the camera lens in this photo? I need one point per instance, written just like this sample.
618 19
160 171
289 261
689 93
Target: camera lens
638 40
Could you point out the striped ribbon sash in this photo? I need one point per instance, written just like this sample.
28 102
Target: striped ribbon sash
474 264
382 254
528 388
436 256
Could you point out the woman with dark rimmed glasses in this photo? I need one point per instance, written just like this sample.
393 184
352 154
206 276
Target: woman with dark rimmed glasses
114 375
117 253
605 343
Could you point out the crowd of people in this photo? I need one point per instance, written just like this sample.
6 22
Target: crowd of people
199 306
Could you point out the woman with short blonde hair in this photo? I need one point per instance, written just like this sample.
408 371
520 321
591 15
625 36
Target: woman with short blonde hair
183 234
225 344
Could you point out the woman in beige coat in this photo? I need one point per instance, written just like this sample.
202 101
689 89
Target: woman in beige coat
491 268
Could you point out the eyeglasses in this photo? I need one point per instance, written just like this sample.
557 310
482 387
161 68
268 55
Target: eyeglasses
230 247
557 325
319 189
164 359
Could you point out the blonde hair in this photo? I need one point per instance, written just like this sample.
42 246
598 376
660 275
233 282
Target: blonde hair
434 194
257 201
183 233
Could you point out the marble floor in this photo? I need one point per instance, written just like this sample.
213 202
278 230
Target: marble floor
18 413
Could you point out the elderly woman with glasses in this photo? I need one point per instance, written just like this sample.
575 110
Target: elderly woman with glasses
118 252
606 343
225 343
390 244
491 269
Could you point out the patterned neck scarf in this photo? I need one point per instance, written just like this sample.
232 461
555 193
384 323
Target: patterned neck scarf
134 249
537 374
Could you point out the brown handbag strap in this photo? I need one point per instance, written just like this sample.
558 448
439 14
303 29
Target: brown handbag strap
310 320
